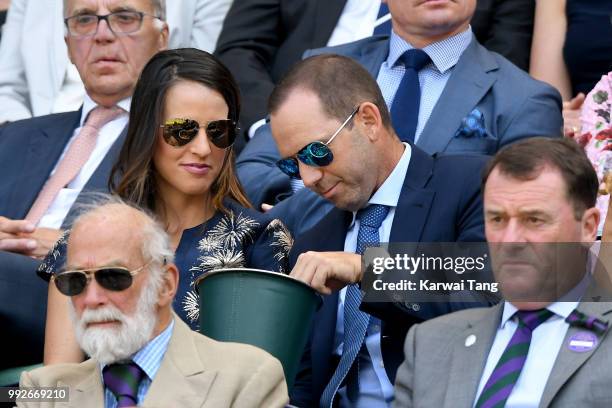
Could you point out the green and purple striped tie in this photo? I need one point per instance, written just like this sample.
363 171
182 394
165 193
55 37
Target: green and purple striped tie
508 369
123 380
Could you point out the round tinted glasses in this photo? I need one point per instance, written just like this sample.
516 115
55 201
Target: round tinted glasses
72 283
179 132
316 154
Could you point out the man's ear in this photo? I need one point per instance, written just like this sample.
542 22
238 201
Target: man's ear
169 285
164 33
590 224
369 117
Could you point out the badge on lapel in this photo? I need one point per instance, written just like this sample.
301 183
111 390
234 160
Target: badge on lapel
473 125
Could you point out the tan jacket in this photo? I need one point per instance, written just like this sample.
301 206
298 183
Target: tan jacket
195 372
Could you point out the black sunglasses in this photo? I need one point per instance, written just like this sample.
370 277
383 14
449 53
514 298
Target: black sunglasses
315 154
72 283
179 132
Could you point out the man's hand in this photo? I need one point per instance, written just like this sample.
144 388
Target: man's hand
23 237
571 116
328 271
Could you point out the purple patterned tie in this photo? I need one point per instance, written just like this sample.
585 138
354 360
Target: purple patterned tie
123 380
508 369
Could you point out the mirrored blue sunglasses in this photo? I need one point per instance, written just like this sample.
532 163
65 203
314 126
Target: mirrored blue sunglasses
317 154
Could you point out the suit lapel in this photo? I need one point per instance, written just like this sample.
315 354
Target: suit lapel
89 392
45 146
327 15
568 362
468 362
374 54
414 201
182 379
469 82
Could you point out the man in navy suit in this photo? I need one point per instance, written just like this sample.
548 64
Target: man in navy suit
337 136
109 57
471 99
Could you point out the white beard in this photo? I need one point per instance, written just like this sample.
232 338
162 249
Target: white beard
110 345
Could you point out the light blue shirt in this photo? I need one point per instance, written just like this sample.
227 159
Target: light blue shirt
375 389
546 341
149 359
432 78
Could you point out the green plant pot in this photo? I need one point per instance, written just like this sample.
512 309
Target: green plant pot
266 309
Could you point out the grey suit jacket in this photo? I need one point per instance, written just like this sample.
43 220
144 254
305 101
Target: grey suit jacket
514 105
440 371
196 371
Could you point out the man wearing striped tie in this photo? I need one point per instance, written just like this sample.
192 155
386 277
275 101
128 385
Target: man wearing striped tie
547 344
121 281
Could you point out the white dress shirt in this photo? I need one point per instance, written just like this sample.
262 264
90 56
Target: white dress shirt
357 21
375 389
59 208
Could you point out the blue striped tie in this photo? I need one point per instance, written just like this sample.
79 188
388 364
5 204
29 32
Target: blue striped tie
355 321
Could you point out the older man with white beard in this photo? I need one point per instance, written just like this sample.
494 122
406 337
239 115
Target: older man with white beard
121 282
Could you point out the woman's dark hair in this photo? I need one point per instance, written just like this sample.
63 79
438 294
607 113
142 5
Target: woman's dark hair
132 177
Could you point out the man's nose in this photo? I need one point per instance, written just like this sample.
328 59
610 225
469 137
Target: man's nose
310 175
104 32
513 232
93 295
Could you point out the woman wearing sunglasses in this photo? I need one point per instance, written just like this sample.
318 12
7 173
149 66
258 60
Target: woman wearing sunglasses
177 162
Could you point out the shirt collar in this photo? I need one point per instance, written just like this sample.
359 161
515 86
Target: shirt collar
89 105
388 193
562 308
149 357
444 54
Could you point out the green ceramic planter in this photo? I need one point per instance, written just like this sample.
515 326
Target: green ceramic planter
266 309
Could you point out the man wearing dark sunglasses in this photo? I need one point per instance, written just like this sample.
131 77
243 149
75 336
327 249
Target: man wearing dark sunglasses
121 282
334 131
48 161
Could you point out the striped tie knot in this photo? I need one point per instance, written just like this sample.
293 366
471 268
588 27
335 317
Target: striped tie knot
579 319
123 381
533 318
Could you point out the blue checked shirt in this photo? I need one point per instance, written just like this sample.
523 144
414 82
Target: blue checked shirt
444 55
149 359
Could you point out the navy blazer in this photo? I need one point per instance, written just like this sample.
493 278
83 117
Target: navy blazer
29 150
440 201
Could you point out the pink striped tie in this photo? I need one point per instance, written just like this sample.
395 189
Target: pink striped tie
77 155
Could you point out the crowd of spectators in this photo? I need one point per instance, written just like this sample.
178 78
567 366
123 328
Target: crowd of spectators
147 143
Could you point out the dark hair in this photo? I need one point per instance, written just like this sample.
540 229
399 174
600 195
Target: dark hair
338 81
525 160
132 175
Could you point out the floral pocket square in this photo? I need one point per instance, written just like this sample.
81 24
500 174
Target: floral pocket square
472 125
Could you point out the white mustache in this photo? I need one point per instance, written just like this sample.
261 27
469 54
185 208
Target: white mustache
100 315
